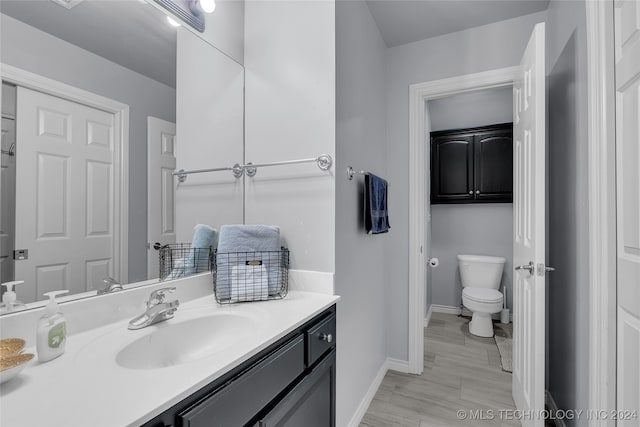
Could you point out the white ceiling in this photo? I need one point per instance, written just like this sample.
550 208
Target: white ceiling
130 33
406 21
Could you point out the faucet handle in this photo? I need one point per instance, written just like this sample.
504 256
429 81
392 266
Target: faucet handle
157 296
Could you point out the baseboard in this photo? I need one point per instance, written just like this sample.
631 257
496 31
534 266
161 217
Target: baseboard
368 397
553 408
398 365
428 316
447 309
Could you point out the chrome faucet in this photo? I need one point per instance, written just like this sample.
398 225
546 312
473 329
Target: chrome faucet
111 285
157 309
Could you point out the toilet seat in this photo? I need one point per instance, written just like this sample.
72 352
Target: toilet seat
483 295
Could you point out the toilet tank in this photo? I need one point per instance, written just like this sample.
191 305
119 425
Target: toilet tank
479 271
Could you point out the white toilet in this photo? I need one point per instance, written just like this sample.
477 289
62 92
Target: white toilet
481 277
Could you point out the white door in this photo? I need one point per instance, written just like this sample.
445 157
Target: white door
161 185
8 194
529 229
627 75
65 194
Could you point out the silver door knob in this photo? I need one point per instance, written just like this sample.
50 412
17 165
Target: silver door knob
477 191
529 267
542 269
470 191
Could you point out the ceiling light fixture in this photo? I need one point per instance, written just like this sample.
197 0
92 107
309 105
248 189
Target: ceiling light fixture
207 6
172 22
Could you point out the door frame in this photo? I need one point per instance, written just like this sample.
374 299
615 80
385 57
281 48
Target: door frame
602 208
120 111
419 94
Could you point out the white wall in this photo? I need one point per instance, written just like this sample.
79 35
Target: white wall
209 134
360 261
36 51
478 49
224 28
290 114
480 229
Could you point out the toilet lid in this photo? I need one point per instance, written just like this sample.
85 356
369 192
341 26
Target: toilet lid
483 294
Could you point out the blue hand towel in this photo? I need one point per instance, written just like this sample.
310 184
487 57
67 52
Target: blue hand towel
376 216
247 238
202 242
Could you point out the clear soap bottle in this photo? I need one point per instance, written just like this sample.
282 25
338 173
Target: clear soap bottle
51 334
9 301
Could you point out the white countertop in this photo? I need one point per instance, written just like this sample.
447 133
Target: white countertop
86 387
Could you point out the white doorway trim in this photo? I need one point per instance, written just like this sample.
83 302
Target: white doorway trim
419 93
49 86
602 208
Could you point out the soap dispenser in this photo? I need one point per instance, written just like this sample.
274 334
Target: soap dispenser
51 335
9 301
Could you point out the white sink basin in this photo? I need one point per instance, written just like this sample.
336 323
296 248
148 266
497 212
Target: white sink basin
173 343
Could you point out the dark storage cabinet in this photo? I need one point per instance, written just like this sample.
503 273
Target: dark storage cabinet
290 384
472 165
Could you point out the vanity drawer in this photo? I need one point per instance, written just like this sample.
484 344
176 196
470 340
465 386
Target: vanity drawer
246 395
320 338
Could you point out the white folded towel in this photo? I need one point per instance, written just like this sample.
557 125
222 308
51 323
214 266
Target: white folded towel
249 283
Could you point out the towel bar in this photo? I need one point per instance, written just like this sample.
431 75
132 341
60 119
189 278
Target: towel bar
324 162
351 172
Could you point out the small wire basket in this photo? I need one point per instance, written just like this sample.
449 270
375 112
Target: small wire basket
250 276
181 260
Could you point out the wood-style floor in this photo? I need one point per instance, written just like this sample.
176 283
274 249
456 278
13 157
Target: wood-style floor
462 372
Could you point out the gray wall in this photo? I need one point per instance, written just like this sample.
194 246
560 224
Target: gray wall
360 260
568 221
484 229
479 49
33 50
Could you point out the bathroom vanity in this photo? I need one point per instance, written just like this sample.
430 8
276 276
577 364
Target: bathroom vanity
291 383
260 364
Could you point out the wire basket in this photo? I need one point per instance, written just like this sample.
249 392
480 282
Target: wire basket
250 276
181 260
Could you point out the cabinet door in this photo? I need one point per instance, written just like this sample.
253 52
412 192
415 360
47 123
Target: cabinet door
310 403
493 152
242 399
452 168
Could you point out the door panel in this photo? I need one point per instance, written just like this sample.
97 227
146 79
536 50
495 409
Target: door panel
64 211
454 182
494 166
161 189
529 230
627 74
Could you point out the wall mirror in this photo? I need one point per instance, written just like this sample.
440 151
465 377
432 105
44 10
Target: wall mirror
91 89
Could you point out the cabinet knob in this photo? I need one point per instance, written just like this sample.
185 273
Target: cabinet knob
326 337
470 191
477 191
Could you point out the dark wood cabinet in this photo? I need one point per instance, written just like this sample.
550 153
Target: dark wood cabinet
292 383
472 165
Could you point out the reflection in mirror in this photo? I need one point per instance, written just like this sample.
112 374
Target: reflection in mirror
101 73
